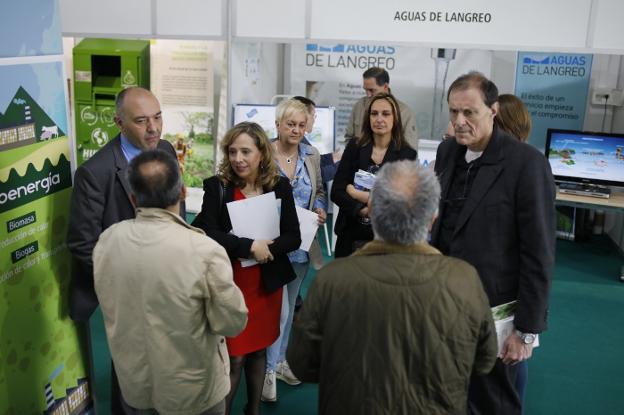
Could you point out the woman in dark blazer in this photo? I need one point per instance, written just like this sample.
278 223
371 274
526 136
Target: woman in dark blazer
382 141
248 169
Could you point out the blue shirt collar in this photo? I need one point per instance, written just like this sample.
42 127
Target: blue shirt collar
130 150
305 149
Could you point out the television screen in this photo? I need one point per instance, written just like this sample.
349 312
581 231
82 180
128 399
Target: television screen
578 156
321 137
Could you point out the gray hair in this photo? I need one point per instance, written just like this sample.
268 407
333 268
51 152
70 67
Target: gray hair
404 199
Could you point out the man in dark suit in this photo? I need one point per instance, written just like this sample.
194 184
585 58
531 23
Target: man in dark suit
497 213
101 194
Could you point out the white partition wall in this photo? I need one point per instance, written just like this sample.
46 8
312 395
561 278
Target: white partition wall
269 19
189 19
554 25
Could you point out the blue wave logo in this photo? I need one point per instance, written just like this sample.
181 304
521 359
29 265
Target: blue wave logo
529 61
315 47
251 113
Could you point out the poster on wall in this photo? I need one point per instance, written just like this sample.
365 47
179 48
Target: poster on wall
331 75
43 370
554 88
182 79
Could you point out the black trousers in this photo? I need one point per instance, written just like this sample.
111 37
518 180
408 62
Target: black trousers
495 393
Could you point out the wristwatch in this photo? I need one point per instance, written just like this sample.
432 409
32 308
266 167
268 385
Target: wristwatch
527 338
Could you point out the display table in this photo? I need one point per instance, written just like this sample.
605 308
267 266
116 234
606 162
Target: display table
615 203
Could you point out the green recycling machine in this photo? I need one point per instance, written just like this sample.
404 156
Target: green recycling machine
102 68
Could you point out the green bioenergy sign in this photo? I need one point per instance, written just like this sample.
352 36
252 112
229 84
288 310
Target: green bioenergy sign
42 369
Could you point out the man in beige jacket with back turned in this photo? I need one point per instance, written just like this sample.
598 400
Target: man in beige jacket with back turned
168 298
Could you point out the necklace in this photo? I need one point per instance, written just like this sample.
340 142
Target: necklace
289 159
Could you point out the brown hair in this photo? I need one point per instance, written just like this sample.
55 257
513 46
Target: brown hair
398 135
268 173
513 117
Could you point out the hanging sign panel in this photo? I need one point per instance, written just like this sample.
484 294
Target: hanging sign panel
530 23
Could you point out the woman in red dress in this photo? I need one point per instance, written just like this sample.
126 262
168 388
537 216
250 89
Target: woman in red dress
248 169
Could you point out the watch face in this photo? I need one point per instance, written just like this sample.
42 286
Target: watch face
528 338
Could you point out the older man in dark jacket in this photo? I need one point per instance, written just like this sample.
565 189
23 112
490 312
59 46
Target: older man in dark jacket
397 328
498 214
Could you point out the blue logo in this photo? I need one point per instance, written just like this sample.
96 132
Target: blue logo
570 60
357 49
251 113
528 61
315 47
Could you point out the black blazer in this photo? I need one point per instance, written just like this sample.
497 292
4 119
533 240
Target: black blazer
100 198
506 229
214 219
357 157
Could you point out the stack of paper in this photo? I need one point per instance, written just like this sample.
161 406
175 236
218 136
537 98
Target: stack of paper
255 218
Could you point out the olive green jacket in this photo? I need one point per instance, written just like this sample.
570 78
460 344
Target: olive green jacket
393 330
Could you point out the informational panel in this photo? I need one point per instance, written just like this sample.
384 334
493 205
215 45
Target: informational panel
331 75
554 88
530 23
322 135
22 36
183 80
42 366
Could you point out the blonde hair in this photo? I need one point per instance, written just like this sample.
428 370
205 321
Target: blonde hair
289 107
268 173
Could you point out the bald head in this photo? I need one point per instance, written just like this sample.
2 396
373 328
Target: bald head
138 117
155 179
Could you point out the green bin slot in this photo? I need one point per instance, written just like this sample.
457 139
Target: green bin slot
103 99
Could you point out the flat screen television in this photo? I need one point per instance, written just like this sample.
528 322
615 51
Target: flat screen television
586 157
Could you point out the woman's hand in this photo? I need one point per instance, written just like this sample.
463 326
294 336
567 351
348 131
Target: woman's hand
359 195
363 212
322 215
260 251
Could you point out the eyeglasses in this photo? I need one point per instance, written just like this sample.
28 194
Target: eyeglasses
455 202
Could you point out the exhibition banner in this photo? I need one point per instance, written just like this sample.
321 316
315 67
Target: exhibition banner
182 78
42 368
331 75
554 88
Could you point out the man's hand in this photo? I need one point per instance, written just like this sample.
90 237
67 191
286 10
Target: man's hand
515 350
322 216
260 251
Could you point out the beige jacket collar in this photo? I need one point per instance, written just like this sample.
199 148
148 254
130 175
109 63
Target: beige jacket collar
158 214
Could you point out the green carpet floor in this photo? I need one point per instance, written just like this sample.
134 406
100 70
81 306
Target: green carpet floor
578 369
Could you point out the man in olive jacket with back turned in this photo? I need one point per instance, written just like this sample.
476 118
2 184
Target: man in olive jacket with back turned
396 328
